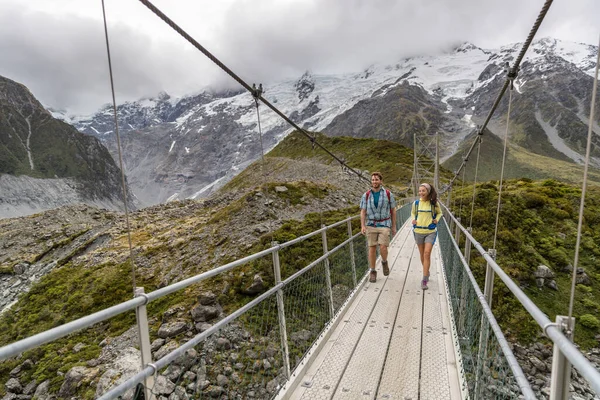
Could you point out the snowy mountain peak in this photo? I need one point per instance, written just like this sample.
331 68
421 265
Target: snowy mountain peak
305 85
467 47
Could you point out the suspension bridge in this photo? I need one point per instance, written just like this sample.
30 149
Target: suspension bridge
325 332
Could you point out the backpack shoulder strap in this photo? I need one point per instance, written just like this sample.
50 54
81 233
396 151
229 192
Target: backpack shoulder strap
433 210
367 194
416 209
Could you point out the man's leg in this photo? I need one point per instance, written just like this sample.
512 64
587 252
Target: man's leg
372 256
384 252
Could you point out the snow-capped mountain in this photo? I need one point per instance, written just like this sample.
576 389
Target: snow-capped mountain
186 147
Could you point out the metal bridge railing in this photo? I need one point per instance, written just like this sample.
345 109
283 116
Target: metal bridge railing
489 376
488 365
251 352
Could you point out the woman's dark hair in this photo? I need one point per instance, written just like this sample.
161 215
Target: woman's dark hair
433 196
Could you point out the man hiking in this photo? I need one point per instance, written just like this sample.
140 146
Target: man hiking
377 219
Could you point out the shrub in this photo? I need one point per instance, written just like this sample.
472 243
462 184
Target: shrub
534 200
558 256
589 303
589 321
584 289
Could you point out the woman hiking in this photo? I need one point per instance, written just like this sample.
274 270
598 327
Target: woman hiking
425 215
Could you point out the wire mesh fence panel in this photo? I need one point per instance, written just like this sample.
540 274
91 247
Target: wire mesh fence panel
486 370
242 360
403 213
360 255
307 312
340 266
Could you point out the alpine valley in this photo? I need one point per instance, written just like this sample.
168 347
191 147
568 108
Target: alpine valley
176 148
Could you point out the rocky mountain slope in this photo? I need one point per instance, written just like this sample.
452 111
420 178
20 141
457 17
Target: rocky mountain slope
45 163
79 259
179 148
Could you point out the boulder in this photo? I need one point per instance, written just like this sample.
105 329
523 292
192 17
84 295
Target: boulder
41 392
13 386
207 298
204 313
583 279
166 349
544 272
163 386
172 329
257 286
552 284
157 344
72 380
29 389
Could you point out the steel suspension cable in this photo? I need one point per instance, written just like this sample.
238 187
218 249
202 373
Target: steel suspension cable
511 75
258 92
503 164
584 187
475 183
214 59
112 88
462 188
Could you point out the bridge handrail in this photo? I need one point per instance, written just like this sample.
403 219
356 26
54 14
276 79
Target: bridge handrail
50 335
510 357
567 348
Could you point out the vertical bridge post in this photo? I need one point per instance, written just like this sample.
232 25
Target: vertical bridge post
141 314
488 290
457 233
352 260
468 247
561 367
484 330
327 273
281 312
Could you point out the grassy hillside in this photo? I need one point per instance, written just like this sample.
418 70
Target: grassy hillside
538 225
393 160
519 163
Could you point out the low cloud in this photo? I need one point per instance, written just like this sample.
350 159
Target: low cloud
62 57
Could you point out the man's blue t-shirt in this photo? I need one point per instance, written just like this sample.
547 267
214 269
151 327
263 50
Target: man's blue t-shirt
376 198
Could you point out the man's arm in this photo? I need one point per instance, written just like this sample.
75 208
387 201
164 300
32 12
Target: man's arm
363 217
393 212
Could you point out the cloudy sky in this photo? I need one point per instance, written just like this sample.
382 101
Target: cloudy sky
57 48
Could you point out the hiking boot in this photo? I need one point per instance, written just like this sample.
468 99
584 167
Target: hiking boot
373 276
424 285
386 268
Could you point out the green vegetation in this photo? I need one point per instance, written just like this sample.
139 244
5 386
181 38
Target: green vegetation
392 159
589 321
63 295
538 225
519 162
6 270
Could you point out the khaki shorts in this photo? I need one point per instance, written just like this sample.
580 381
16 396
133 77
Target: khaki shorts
378 236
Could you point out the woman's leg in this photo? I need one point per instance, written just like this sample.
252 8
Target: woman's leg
421 250
426 258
